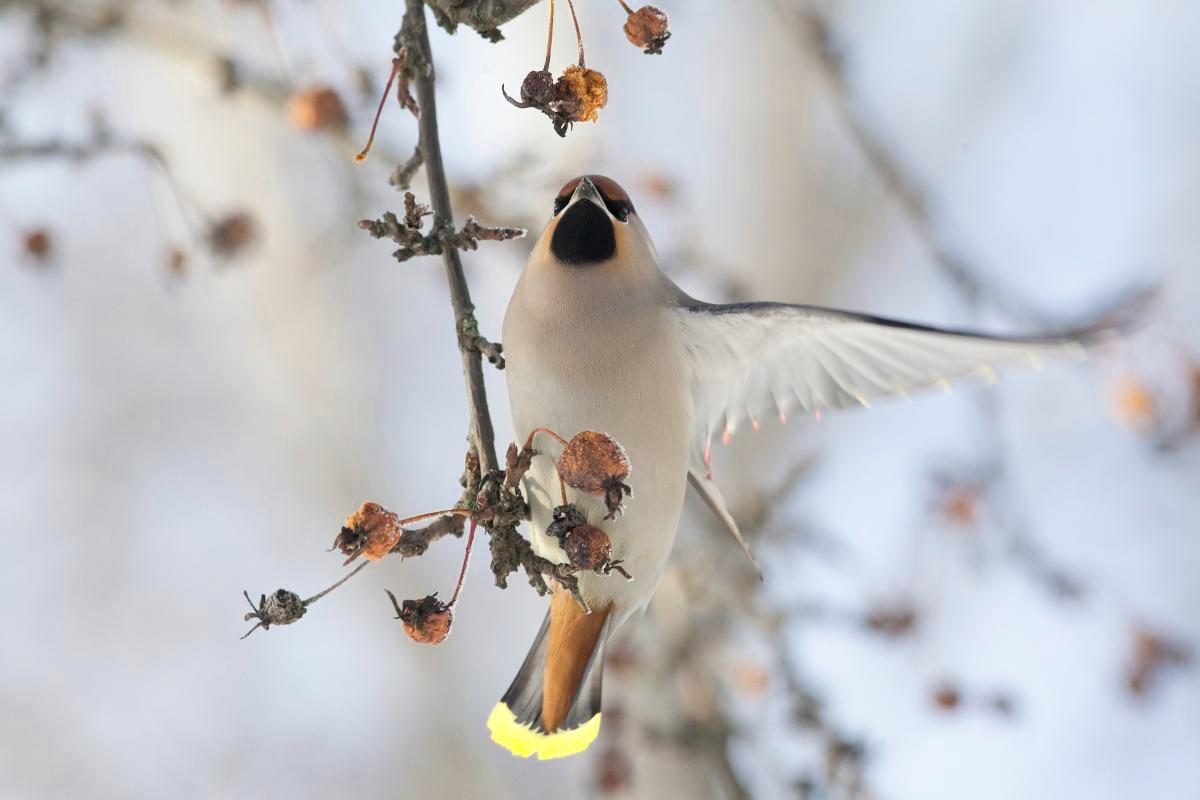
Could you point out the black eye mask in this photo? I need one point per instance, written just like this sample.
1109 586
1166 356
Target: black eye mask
584 235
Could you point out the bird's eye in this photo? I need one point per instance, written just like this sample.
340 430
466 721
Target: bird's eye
560 203
619 209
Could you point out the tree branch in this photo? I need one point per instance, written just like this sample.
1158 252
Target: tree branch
484 16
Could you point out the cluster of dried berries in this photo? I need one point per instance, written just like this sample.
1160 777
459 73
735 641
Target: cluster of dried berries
579 93
590 462
370 532
426 621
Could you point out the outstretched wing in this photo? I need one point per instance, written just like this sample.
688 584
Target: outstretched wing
754 361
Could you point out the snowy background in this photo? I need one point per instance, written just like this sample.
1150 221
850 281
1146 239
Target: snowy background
170 437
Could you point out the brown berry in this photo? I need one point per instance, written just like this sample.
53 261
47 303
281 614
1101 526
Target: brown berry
426 621
37 244
564 520
580 93
647 28
231 234
538 88
590 460
587 547
316 109
947 697
371 532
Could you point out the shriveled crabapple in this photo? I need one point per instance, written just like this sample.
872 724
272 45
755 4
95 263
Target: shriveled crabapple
426 621
580 93
587 547
595 463
647 28
316 108
371 531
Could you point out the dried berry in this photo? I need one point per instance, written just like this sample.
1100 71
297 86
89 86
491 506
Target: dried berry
581 93
576 96
538 88
596 463
647 28
231 234
587 547
37 244
426 621
316 109
564 520
280 607
371 532
946 696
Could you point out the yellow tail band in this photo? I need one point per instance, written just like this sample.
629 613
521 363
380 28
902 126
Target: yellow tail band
523 741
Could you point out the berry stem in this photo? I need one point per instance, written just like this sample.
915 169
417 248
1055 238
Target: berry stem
625 6
562 486
548 432
383 99
324 592
549 38
462 574
578 33
461 512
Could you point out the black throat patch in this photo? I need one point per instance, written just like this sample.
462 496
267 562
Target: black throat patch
584 236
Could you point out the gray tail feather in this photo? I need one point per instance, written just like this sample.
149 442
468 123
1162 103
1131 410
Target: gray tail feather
524 696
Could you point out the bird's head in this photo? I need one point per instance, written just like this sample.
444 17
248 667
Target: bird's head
594 225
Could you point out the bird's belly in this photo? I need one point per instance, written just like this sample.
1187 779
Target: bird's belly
639 396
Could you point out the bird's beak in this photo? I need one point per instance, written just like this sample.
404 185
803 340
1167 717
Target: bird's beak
586 190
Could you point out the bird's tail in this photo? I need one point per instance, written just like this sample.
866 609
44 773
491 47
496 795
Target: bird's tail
552 707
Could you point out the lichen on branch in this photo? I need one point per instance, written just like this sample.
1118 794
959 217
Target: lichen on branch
483 16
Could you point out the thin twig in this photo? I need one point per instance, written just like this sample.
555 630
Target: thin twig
462 573
347 577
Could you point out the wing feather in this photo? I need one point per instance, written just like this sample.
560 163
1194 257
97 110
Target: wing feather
753 360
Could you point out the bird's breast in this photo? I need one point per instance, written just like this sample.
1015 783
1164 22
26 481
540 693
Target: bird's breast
623 374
